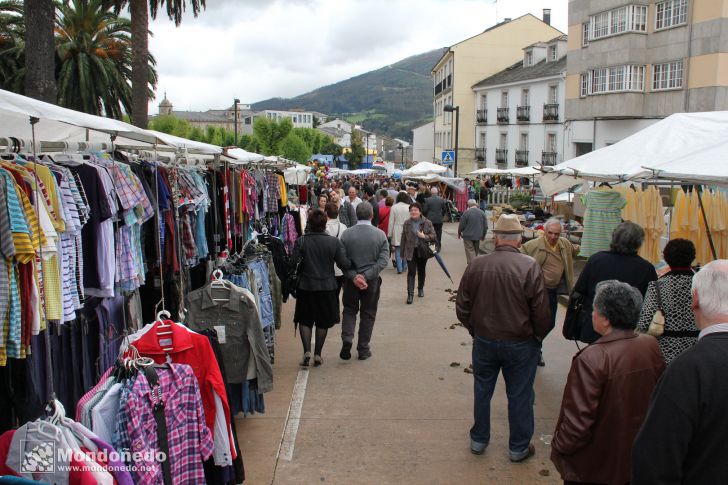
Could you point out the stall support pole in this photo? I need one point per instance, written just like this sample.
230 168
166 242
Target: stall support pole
705 221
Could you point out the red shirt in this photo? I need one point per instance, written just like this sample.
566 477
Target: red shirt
194 350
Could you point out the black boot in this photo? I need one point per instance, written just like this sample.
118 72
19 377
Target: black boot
410 289
421 292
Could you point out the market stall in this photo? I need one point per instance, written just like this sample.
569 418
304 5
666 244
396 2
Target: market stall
684 156
108 224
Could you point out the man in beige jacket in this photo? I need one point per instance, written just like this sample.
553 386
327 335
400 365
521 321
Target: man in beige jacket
555 255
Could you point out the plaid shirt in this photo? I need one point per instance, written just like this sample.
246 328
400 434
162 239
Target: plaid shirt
273 192
190 441
121 440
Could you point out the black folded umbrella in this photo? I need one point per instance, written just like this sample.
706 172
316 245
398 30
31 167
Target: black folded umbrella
444 268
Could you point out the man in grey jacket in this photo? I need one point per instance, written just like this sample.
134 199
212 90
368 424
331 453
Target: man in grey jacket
368 251
472 229
434 209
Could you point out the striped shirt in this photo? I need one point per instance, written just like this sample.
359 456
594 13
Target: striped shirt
603 214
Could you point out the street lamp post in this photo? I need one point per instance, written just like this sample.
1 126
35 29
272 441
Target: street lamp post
401 147
450 108
235 104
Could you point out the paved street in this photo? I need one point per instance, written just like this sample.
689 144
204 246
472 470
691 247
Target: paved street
403 416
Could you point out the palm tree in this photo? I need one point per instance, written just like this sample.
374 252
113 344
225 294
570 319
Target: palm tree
94 51
140 11
12 46
40 80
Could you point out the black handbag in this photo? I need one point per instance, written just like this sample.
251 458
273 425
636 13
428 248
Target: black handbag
425 249
293 278
572 320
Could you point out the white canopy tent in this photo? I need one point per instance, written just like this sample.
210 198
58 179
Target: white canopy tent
243 156
683 146
520 171
16 110
423 168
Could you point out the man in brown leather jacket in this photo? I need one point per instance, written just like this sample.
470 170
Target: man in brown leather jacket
503 303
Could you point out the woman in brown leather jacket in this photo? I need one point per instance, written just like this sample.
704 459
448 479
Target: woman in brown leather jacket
416 228
607 392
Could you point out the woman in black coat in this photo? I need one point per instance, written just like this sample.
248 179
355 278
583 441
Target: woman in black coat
620 263
317 298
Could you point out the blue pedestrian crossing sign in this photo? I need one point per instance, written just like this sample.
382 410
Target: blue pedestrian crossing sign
448 157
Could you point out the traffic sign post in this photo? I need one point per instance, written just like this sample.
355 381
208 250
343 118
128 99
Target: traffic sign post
448 157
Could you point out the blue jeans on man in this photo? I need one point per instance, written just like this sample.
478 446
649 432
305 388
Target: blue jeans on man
518 361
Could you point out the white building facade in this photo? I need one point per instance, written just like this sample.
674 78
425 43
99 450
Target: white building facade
423 143
519 119
300 119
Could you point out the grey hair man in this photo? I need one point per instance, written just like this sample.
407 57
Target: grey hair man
502 302
368 250
472 230
682 439
434 209
555 254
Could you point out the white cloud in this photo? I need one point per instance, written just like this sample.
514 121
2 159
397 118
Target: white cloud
254 50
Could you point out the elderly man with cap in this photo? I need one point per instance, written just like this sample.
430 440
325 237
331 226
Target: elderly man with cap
502 302
472 229
556 256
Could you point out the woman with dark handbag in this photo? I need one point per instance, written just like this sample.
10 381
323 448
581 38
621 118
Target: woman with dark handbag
621 263
317 297
672 297
417 232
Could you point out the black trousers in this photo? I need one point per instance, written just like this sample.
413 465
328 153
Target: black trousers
438 232
416 267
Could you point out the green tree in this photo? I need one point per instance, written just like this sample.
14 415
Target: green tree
270 133
177 127
294 148
357 152
332 149
140 11
12 46
94 51
315 140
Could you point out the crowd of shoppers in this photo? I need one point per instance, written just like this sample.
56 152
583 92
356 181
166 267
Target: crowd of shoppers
635 408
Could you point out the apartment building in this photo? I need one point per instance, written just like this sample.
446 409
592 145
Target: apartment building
632 63
470 61
519 120
300 119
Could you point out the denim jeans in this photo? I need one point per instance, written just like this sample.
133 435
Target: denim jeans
401 263
518 361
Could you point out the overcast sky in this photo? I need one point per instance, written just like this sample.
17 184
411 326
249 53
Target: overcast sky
258 49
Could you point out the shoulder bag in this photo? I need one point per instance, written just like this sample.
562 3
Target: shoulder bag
425 249
657 325
572 319
293 279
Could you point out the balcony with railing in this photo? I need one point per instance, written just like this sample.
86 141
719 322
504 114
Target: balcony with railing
551 112
523 113
481 116
480 154
503 115
548 158
501 156
522 158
